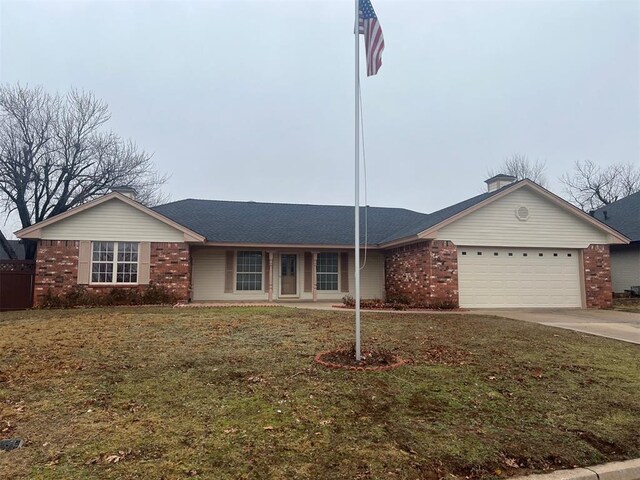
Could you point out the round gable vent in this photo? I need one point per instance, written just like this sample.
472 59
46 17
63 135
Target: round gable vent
522 213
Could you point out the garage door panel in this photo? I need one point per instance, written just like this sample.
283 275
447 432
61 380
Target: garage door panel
518 277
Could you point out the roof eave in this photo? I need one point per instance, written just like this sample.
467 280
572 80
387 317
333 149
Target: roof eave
288 245
617 237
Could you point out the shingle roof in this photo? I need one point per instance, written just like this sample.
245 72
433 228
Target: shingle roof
280 223
623 215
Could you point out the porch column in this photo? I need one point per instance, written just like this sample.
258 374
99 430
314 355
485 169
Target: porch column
314 277
270 279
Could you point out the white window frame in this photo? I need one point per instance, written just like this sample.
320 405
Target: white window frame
238 272
336 273
115 262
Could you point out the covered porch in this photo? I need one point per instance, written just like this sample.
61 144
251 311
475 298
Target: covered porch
281 274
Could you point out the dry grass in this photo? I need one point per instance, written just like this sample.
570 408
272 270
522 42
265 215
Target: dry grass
627 304
233 393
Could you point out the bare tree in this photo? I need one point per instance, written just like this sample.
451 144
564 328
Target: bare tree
56 154
521 167
589 186
6 246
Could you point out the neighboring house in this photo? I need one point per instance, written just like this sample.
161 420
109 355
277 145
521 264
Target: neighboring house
624 216
18 248
517 245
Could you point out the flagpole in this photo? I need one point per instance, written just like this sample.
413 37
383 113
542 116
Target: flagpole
356 31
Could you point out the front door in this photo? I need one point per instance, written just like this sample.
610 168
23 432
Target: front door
288 274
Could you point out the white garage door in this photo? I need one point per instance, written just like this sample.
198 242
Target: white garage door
518 277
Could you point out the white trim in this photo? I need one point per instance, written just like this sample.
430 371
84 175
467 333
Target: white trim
337 273
114 263
235 272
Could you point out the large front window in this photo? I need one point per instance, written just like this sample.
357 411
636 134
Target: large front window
114 262
249 271
327 271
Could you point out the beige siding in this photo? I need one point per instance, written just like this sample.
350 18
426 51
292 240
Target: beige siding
625 267
372 276
208 278
548 225
113 220
371 279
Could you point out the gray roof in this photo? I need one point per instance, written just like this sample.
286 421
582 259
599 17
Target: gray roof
280 223
623 216
17 246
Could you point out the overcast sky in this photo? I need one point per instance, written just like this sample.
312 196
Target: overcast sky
253 100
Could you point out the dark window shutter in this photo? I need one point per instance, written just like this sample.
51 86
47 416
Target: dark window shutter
344 272
144 258
308 267
228 273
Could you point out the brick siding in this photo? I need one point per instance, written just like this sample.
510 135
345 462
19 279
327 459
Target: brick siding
423 273
597 276
57 269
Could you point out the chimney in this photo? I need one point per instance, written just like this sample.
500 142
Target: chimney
498 181
126 191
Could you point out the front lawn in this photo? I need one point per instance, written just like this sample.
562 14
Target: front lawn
234 393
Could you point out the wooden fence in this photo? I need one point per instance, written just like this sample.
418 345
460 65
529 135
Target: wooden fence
16 284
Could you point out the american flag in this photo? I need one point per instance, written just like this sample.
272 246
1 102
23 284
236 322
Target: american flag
369 26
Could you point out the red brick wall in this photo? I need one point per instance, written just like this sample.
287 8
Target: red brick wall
57 269
423 273
444 272
170 267
597 276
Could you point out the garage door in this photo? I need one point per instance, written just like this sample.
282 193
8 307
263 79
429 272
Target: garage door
518 277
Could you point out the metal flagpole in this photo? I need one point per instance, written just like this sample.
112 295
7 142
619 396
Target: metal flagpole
356 31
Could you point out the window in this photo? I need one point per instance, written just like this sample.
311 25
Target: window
327 271
120 258
249 271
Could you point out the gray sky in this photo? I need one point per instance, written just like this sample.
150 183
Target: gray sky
246 100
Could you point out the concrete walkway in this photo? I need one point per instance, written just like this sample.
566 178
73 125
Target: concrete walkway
623 326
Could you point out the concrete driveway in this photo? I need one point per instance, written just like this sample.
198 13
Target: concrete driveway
623 326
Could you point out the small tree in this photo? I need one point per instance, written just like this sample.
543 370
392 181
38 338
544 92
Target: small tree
521 167
56 154
590 187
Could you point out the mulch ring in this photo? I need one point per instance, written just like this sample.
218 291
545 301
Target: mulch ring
372 361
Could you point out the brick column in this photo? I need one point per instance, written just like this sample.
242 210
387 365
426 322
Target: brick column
597 276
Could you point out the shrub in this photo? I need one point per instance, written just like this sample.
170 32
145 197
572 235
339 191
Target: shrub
349 301
398 298
399 302
80 295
